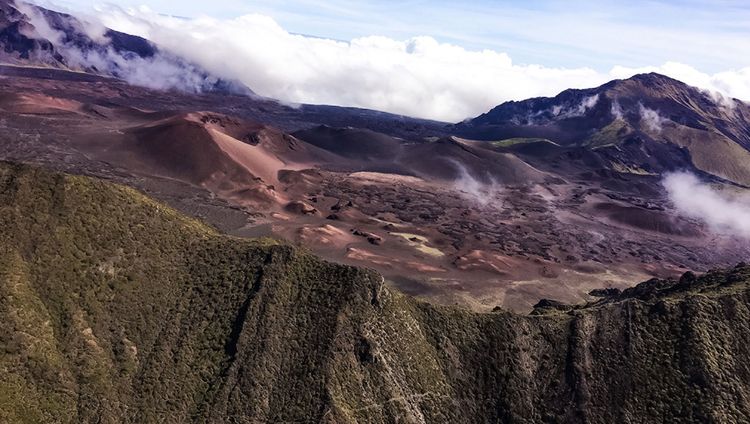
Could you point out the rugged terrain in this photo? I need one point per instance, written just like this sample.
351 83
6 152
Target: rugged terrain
117 308
548 197
480 223
649 123
192 252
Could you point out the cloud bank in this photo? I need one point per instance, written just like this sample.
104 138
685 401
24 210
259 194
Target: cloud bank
722 213
161 71
418 76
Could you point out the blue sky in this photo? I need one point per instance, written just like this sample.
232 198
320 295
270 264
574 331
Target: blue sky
709 35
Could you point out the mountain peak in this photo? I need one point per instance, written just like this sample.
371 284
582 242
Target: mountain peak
654 77
648 86
609 101
648 108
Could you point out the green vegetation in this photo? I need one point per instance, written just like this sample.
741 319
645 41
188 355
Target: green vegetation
629 169
116 309
611 135
508 142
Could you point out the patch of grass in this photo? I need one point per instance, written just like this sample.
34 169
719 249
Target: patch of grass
630 169
611 135
520 140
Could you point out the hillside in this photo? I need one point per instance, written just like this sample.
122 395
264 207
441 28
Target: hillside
116 308
650 122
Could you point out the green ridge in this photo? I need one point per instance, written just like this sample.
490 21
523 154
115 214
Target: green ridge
611 135
116 309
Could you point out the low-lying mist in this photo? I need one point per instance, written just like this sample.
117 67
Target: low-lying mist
474 189
723 213
651 118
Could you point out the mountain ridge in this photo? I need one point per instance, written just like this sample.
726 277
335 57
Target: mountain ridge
643 82
647 110
166 320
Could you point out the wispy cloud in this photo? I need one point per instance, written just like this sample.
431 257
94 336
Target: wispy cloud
722 213
161 71
473 189
651 119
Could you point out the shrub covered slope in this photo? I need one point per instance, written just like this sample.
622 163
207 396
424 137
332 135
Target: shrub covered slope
115 308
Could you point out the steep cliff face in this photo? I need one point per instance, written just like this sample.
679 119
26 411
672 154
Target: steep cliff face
115 308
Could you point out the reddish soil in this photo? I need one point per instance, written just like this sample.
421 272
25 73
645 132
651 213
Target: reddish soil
450 220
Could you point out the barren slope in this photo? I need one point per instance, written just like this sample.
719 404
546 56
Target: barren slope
449 219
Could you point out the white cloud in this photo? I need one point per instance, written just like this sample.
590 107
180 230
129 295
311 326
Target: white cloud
41 27
617 111
722 213
650 118
418 76
577 110
162 71
557 112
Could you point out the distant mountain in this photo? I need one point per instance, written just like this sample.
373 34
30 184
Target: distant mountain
35 36
115 308
647 111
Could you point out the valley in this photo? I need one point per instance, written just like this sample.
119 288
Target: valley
176 248
496 224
